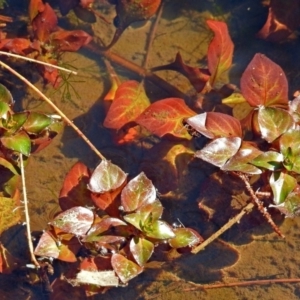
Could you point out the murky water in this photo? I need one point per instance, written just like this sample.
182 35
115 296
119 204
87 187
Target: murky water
248 251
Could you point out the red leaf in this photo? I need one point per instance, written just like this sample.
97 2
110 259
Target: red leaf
17 45
8 263
220 50
74 191
197 77
166 116
35 7
263 83
129 102
44 23
70 40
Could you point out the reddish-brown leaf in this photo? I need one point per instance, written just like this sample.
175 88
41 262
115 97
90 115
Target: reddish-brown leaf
70 40
44 23
166 116
220 50
197 77
74 191
35 7
17 45
130 101
8 263
264 83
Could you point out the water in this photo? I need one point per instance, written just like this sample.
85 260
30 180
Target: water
248 251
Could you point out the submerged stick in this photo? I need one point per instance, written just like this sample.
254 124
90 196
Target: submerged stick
229 224
27 218
63 116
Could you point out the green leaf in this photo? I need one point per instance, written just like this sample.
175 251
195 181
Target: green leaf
240 161
281 184
125 268
269 160
4 108
8 165
16 121
5 95
273 122
158 230
36 122
220 150
106 177
141 250
185 237
137 192
19 142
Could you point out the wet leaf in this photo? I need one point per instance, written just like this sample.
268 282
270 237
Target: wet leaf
74 191
125 268
16 45
158 230
273 122
185 237
64 40
219 151
10 213
106 177
5 95
269 160
220 50
214 125
35 7
234 98
264 83
281 184
4 108
129 102
19 142
97 278
8 165
8 263
36 122
137 192
47 246
197 77
166 116
16 121
240 161
77 220
68 250
141 250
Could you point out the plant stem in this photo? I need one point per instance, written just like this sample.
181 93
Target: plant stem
259 204
63 116
27 218
229 224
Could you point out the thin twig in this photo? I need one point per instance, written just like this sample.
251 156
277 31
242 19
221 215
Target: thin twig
229 224
152 35
64 117
37 62
241 283
259 204
27 218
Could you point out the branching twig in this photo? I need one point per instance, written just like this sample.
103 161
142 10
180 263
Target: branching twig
259 204
27 218
63 116
229 224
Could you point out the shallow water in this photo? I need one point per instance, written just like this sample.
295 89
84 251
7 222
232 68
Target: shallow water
249 250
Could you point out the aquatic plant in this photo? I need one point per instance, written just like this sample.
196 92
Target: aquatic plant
110 225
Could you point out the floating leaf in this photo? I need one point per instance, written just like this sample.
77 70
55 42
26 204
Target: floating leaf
16 121
8 263
220 50
220 150
240 161
47 246
158 229
215 125
273 122
4 108
19 142
137 192
77 220
281 184
269 160
129 102
125 268
234 98
97 278
185 237
5 95
141 250
264 83
106 177
36 122
8 165
166 116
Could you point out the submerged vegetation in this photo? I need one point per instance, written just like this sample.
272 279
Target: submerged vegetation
112 223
